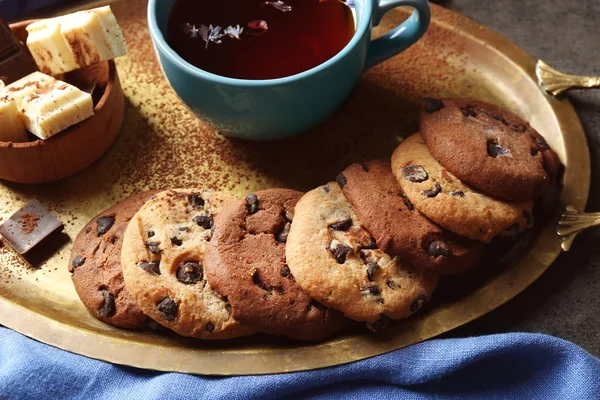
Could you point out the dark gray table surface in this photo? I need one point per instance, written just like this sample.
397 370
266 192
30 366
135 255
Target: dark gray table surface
565 301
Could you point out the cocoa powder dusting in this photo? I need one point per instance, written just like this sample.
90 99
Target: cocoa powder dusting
28 222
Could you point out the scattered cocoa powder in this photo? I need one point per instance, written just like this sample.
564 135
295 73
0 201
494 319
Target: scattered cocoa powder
28 222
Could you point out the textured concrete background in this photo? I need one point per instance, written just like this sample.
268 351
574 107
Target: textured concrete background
565 301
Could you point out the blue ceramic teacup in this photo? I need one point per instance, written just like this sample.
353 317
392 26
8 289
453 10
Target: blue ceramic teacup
279 108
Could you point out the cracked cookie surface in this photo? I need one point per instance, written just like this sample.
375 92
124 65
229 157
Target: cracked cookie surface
95 265
488 148
162 259
245 261
398 227
337 263
450 203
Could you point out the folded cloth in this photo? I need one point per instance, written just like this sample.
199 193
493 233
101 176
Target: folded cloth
506 366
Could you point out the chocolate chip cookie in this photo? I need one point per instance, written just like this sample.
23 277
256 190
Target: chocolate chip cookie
398 227
162 260
488 148
245 261
95 265
447 201
337 263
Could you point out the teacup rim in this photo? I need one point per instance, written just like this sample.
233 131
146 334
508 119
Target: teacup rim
160 42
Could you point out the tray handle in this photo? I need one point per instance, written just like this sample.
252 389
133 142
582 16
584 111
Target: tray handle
572 223
556 82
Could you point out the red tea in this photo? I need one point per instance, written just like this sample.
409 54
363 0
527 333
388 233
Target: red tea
256 39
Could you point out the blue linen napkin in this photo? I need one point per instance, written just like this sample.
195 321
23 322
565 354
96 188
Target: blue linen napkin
505 366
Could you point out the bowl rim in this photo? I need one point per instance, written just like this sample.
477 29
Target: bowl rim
112 76
162 47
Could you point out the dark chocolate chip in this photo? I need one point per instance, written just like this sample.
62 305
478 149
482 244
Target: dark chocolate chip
437 248
252 203
541 143
151 233
495 150
205 221
381 324
459 193
104 224
183 229
343 225
152 267
519 128
500 118
341 180
340 253
469 111
196 201
371 267
418 303
288 215
168 308
407 203
415 173
363 166
526 215
434 191
372 245
325 189
284 271
114 240
374 290
391 284
283 235
258 282
190 272
107 309
78 261
154 247
433 105
88 230
209 328
176 241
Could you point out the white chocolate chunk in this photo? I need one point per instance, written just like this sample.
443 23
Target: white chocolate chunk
11 126
48 47
54 108
25 86
77 40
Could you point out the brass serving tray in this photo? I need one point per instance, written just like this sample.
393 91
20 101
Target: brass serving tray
163 145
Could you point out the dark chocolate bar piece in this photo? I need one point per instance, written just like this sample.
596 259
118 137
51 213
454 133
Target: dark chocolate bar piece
29 226
15 60
16 66
8 42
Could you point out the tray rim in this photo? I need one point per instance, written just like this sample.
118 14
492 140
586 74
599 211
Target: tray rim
119 351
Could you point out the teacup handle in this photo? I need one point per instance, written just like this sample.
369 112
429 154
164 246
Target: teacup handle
403 36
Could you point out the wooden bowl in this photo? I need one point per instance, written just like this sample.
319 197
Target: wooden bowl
77 147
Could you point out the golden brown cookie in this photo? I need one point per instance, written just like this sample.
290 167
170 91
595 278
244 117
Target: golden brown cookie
162 260
398 227
489 148
338 264
245 262
444 199
95 265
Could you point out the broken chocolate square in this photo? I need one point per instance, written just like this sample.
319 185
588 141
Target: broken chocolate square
29 226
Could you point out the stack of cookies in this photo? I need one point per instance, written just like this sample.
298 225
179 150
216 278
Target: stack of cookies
368 247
